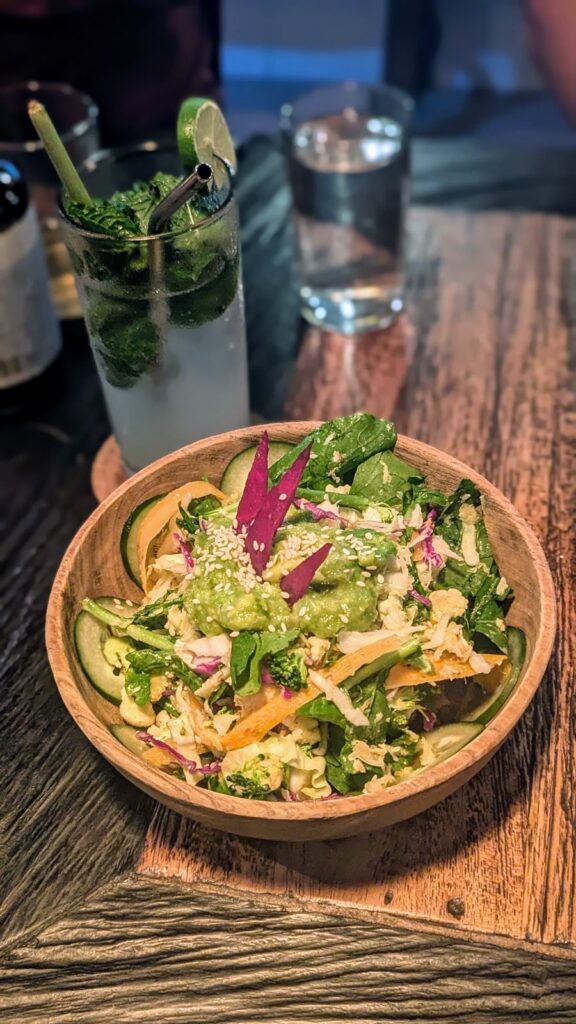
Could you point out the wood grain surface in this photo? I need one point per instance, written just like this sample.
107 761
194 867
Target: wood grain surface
485 373
143 951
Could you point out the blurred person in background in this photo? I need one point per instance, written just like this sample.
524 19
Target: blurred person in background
136 58
551 28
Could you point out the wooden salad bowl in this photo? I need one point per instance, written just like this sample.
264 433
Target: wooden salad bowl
92 566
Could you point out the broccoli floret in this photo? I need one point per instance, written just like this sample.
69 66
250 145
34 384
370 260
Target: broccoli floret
288 669
246 786
255 778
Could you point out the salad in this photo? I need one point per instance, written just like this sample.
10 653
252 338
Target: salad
322 624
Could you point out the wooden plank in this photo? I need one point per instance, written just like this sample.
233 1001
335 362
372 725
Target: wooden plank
143 951
483 372
67 821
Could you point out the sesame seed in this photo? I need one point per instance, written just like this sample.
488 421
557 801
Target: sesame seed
130 603
285 594
282 497
369 535
344 619
209 619
261 547
283 627
302 612
271 628
234 633
365 572
360 583
380 578
117 602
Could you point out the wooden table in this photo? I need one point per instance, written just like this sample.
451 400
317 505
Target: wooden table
116 910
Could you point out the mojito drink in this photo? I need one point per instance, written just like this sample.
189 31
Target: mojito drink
164 312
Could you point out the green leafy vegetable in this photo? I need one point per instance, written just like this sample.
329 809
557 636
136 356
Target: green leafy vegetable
338 447
248 652
104 217
385 479
137 686
198 508
154 615
158 662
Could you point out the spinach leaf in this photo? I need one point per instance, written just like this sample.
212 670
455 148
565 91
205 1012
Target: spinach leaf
248 651
341 777
157 662
338 447
324 710
137 686
487 612
190 517
385 479
243 650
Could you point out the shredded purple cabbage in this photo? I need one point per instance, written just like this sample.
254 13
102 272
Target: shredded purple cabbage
429 719
168 693
256 486
429 554
420 597
286 693
184 550
315 511
272 512
206 667
296 583
192 766
266 676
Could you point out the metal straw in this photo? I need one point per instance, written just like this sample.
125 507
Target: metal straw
199 179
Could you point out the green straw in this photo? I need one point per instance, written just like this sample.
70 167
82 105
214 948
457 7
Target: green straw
57 153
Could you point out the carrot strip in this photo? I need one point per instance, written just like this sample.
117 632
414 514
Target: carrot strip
448 667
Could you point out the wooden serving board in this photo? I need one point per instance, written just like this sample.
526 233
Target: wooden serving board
479 368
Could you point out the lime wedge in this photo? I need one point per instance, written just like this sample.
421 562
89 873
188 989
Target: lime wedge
202 133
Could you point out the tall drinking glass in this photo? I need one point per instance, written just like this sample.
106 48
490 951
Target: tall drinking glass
75 116
348 157
165 315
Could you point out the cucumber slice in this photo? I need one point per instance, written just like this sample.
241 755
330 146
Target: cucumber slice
126 735
129 538
89 638
234 476
449 739
495 700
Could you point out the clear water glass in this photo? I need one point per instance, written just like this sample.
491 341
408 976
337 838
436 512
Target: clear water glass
347 149
165 316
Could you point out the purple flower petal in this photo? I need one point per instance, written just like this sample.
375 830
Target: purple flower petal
192 766
256 486
184 550
296 583
262 530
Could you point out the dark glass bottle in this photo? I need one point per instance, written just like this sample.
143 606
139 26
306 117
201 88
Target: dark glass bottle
30 338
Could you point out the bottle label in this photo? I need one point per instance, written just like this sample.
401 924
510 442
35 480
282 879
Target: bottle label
29 331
